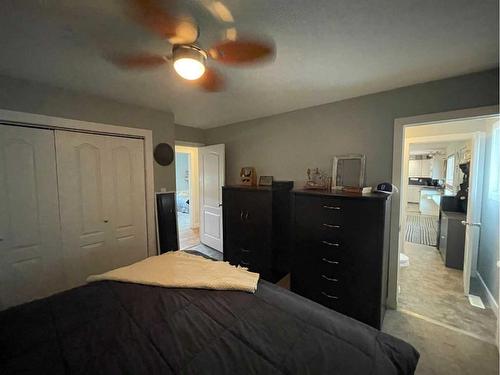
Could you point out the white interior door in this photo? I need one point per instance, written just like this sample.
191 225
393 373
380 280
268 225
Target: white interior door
472 231
102 202
30 246
212 172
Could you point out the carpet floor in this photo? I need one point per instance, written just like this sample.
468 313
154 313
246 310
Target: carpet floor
432 290
443 351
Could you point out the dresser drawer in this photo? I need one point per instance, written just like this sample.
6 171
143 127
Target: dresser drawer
315 211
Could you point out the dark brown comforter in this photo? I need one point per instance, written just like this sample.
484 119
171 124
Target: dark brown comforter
120 328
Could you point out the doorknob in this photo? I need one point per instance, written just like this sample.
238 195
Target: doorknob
220 204
470 224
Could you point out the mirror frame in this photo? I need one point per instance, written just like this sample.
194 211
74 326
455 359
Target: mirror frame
337 158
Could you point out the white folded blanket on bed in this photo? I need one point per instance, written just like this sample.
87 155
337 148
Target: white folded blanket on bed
178 269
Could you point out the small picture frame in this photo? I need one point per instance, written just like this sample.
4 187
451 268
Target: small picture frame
265 180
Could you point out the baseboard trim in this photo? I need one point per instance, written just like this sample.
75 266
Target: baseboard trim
491 299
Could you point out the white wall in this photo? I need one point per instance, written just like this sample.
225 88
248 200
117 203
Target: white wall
182 171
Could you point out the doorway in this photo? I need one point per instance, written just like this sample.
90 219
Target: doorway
443 275
187 195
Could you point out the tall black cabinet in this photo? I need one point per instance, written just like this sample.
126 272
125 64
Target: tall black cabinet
341 251
256 228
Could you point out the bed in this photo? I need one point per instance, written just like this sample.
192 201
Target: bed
110 327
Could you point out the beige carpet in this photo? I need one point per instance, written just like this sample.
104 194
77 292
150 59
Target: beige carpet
430 289
442 351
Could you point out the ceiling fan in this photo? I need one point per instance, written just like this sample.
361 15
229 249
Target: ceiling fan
189 59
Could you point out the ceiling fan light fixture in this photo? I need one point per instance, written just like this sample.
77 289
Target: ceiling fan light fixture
189 61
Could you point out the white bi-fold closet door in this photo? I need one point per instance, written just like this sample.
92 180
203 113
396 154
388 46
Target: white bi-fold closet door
30 246
102 202
72 204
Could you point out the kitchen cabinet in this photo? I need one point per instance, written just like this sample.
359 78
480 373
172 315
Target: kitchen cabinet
437 170
420 168
413 195
426 168
414 168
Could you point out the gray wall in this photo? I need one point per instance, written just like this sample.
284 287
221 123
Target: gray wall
33 97
189 134
488 243
286 145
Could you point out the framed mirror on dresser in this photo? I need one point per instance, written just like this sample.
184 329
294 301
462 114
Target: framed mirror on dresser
348 170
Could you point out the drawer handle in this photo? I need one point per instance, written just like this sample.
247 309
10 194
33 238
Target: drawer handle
331 226
329 295
329 278
330 261
244 263
331 207
245 250
331 243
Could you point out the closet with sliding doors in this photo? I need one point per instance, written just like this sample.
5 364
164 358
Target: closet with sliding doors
71 205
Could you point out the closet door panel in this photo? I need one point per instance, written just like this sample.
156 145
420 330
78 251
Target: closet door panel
102 195
128 194
30 246
82 175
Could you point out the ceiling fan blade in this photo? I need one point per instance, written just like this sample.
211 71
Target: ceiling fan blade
243 51
138 61
157 18
210 81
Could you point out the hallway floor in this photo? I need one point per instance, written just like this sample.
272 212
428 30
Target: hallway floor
443 351
431 290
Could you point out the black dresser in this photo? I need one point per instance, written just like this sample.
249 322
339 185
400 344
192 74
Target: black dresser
256 228
341 251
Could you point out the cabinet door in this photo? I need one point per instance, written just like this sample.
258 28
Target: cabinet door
413 194
247 225
30 259
102 202
426 168
415 168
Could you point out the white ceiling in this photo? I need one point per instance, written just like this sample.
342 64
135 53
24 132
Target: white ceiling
326 51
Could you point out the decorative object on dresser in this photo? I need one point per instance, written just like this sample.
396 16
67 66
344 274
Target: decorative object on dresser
387 188
256 228
348 170
265 180
166 222
248 176
357 190
340 250
316 180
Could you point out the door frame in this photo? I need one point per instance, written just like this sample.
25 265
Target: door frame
477 139
59 123
194 185
400 126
